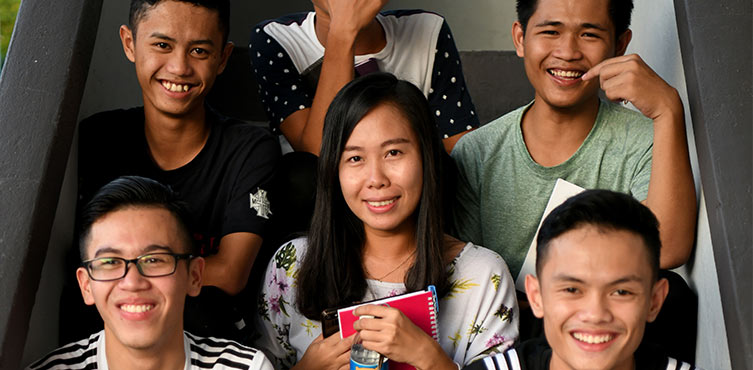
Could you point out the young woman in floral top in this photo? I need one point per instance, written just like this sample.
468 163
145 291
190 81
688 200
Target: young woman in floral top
376 232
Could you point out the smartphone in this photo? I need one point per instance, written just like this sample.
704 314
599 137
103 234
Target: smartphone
330 324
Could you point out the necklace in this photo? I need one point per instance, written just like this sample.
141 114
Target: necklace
393 270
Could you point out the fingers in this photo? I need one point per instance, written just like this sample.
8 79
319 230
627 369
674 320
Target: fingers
342 361
610 67
375 310
339 345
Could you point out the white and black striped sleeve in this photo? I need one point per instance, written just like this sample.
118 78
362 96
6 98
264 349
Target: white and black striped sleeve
673 364
221 354
80 355
508 360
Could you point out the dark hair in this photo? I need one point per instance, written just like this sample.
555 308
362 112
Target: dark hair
140 7
606 210
331 273
134 191
620 12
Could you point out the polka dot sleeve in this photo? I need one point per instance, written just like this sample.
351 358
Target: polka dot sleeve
281 88
449 98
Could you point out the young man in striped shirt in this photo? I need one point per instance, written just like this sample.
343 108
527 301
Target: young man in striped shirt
597 285
139 264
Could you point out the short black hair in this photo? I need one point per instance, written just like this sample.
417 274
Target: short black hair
620 12
134 191
140 7
603 209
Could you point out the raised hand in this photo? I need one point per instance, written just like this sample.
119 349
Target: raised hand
351 16
629 78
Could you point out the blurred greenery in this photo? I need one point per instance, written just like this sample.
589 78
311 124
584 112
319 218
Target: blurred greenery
8 10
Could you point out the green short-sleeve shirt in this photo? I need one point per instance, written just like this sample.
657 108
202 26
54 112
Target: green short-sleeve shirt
502 192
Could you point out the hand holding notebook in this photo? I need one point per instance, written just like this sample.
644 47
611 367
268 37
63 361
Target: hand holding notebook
418 307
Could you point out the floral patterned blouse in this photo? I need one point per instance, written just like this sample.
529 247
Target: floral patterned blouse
478 316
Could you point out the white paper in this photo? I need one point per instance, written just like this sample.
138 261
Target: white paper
561 192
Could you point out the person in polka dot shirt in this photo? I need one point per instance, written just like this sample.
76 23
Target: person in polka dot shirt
302 60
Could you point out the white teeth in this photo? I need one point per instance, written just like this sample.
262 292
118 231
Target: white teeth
175 87
592 339
136 308
382 203
566 74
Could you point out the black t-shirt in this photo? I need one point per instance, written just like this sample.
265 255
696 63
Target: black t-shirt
535 354
225 185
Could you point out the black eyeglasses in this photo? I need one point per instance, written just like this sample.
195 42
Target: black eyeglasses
149 265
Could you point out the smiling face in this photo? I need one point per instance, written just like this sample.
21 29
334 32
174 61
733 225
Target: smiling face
140 313
563 40
595 293
380 171
178 52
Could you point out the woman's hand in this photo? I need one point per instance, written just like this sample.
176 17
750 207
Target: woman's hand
395 336
331 353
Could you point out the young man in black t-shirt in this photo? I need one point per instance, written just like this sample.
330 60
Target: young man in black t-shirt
221 167
597 285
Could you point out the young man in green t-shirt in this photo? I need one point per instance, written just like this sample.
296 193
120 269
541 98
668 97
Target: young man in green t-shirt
509 167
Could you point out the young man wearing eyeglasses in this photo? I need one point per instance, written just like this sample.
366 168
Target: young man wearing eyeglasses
138 266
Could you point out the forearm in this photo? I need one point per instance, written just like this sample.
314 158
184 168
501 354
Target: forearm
449 143
336 72
671 192
433 357
225 275
229 269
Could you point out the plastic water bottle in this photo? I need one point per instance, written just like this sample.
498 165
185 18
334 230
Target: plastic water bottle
362 358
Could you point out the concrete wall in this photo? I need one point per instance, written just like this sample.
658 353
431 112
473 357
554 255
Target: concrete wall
476 25
712 349
655 39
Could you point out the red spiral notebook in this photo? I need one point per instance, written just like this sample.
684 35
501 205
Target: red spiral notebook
420 307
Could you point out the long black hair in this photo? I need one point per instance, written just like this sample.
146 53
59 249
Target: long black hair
331 274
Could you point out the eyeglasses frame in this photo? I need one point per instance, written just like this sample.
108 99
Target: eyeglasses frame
178 256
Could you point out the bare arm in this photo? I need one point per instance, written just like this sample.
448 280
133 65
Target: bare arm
230 267
449 143
303 129
671 193
347 18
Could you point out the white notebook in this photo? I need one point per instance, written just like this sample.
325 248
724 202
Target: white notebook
562 190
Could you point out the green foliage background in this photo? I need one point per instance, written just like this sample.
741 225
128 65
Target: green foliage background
8 10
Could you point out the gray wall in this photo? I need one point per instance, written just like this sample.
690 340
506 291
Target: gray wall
716 39
656 40
41 87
